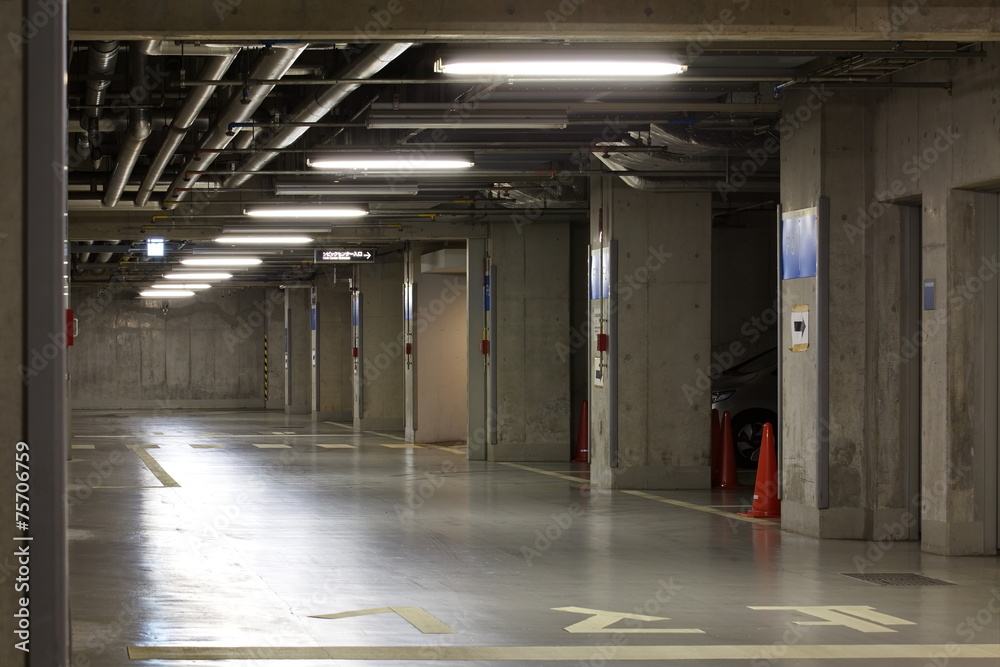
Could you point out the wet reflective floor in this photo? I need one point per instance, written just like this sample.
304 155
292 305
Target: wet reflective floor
256 538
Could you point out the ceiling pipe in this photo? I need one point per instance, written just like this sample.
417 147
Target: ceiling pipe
101 60
272 65
183 122
158 47
371 63
160 119
135 138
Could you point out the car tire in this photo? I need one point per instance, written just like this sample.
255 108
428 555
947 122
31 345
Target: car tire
747 429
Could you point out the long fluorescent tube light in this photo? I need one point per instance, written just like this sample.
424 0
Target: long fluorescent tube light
183 286
291 189
412 161
588 66
165 294
261 229
197 276
458 119
306 212
265 240
222 261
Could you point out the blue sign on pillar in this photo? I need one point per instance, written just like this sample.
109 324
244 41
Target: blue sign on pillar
486 292
799 244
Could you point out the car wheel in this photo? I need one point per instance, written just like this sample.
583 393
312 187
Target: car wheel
747 429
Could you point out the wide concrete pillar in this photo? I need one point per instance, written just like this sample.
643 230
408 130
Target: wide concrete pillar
382 344
275 361
651 296
333 353
298 351
531 379
34 612
843 455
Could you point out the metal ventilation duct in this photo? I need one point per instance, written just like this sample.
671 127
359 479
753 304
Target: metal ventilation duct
272 65
313 110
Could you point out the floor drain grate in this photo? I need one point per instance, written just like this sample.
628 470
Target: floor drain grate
898 579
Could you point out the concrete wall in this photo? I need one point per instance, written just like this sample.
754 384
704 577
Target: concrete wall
865 152
381 286
298 351
335 397
276 350
531 298
203 352
440 358
661 319
929 145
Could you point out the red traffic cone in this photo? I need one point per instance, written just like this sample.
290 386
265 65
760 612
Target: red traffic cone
583 438
716 449
728 478
765 494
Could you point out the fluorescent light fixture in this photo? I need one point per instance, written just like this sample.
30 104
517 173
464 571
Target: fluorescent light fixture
165 294
307 212
411 161
222 261
155 248
541 65
265 240
183 286
460 119
344 189
198 276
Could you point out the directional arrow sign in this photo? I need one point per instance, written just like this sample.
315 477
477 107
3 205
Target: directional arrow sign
345 256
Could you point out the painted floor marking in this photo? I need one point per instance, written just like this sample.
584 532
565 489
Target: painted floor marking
418 617
208 446
453 450
415 654
275 446
386 435
142 451
702 508
82 446
399 446
550 473
337 446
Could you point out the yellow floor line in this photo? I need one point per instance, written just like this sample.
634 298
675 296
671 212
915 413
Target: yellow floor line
411 654
398 446
337 446
275 446
546 472
454 450
701 508
385 435
82 446
208 446
142 452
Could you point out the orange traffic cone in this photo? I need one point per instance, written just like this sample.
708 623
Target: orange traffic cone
716 449
765 494
728 478
583 438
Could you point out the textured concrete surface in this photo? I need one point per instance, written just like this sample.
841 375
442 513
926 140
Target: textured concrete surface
298 351
205 351
253 546
381 287
531 297
335 399
664 341
650 20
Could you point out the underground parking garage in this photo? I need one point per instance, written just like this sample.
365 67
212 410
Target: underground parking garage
364 442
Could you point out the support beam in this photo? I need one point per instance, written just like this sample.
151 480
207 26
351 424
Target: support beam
525 20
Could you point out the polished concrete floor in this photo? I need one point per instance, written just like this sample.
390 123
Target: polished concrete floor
253 538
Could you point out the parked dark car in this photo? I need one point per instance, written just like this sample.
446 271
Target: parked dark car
749 391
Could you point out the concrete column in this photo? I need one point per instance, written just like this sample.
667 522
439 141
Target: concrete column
32 342
827 153
477 369
334 351
298 351
648 428
381 286
276 350
530 293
